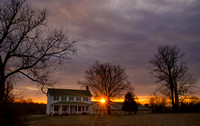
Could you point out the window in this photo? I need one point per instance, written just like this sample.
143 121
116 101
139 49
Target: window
86 108
79 108
85 99
78 98
63 98
71 98
56 108
56 98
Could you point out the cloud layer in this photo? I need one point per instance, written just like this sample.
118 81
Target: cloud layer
125 33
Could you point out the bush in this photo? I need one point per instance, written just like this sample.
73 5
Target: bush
11 115
55 114
66 114
190 107
158 103
84 113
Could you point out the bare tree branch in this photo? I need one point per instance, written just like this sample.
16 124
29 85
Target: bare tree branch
28 46
109 81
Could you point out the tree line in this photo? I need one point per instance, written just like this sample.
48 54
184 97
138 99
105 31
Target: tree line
161 104
17 112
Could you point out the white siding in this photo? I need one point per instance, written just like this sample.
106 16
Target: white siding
50 101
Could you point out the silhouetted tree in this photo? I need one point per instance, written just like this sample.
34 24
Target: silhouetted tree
28 47
190 104
106 80
157 103
129 104
171 72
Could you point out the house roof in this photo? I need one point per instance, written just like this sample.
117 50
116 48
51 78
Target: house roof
62 92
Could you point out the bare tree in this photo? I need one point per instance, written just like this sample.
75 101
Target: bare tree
107 81
158 102
171 72
28 47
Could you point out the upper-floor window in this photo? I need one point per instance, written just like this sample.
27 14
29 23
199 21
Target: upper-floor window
71 98
56 98
85 99
78 98
63 98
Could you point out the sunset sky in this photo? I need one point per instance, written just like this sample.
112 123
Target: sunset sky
120 32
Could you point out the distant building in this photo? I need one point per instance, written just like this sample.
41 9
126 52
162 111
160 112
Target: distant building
116 108
68 101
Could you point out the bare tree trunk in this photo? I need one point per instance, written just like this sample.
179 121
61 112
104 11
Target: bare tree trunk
108 107
2 81
176 98
172 89
108 110
2 89
173 105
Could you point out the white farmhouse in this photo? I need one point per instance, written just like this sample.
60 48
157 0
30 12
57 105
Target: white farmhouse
68 101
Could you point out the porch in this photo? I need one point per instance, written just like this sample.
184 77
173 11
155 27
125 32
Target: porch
70 108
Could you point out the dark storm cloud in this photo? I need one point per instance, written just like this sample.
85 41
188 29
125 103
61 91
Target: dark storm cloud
126 33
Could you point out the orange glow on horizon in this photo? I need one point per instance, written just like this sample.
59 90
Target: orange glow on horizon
40 102
141 100
33 101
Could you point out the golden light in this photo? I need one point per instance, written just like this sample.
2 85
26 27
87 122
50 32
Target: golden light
103 100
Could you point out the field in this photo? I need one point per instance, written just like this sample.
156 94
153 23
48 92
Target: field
187 119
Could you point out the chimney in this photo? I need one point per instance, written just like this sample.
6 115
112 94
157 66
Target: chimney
87 88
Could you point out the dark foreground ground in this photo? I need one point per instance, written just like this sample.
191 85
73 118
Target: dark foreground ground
183 119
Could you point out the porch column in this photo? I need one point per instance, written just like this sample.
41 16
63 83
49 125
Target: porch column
53 109
69 109
61 110
77 110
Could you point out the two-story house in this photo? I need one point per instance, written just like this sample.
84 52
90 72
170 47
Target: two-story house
68 101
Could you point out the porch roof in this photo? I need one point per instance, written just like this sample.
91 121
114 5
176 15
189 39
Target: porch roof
70 103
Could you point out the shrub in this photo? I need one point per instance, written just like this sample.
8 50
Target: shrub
84 113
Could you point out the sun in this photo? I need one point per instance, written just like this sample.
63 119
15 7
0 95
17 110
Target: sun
103 101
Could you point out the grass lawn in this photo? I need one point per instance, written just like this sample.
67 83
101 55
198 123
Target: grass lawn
186 119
